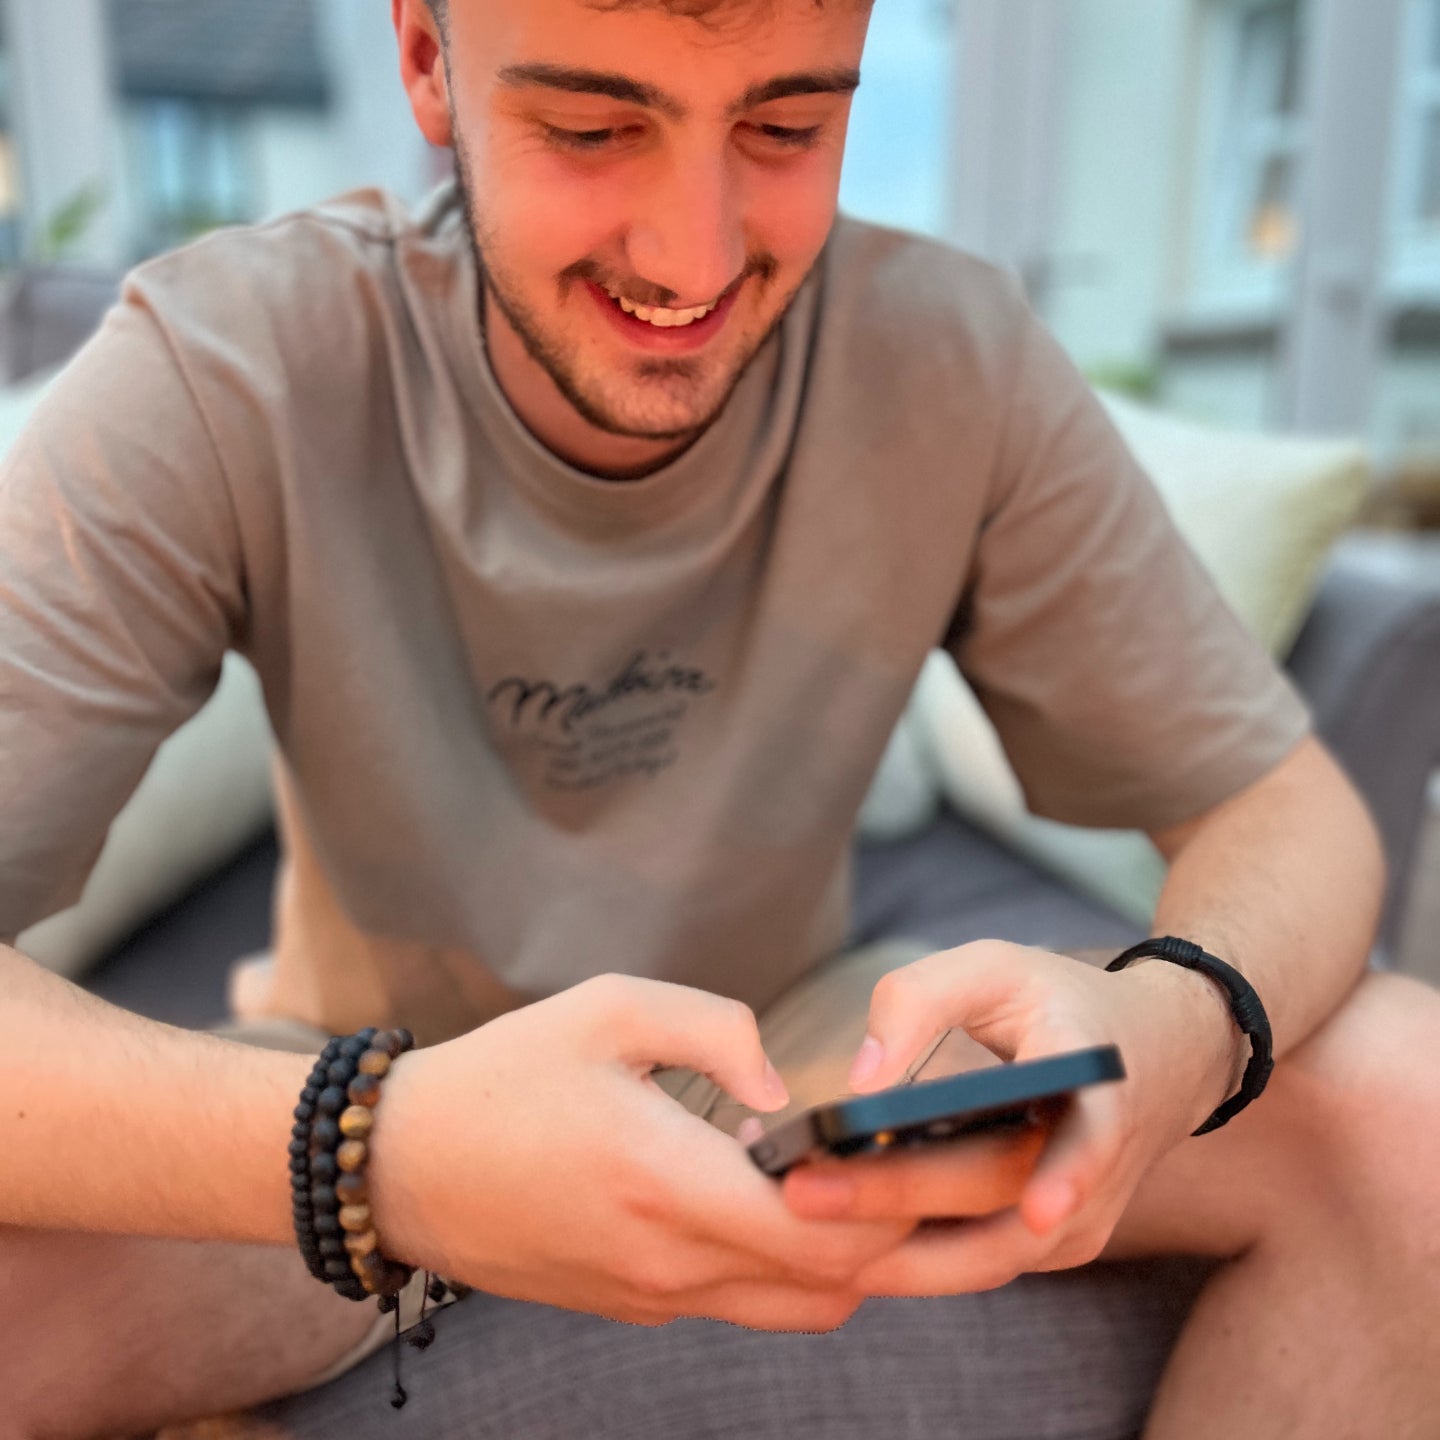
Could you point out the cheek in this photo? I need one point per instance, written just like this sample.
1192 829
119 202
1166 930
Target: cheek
543 217
790 212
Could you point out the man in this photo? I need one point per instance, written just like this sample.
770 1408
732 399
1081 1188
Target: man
582 628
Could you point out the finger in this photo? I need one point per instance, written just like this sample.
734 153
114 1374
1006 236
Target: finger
790 1308
750 1131
956 1258
974 1176
1081 1156
711 1191
651 1023
974 987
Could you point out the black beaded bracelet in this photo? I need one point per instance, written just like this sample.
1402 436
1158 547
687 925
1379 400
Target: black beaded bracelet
329 1149
328 1259
302 1178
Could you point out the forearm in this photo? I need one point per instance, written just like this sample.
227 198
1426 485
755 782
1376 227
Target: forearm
1285 881
115 1123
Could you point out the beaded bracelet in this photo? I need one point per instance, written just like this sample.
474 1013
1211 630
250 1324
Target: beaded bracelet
329 1150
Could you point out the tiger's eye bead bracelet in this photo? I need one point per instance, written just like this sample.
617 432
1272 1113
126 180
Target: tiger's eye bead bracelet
329 1150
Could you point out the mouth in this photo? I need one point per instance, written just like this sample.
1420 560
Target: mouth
661 330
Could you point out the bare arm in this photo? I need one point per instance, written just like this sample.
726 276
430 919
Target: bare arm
1285 881
115 1123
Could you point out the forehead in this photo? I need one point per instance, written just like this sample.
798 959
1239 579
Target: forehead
728 50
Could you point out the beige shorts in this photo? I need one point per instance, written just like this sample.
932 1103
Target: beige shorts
811 1033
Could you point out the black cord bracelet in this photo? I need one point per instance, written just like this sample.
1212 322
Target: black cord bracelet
1245 1006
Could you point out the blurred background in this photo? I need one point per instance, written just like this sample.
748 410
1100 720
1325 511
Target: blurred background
1228 207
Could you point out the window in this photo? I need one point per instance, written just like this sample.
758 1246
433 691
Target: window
898 144
193 169
10 245
1253 134
1417 168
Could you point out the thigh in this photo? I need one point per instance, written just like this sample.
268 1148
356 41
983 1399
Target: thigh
1338 1128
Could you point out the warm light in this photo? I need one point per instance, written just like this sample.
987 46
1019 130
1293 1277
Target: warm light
1272 232
9 180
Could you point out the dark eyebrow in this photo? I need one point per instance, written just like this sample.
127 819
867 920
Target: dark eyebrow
636 92
592 82
814 82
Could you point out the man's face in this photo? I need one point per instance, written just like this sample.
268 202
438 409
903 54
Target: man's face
634 158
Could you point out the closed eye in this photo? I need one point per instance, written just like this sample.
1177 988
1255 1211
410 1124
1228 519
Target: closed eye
788 135
579 139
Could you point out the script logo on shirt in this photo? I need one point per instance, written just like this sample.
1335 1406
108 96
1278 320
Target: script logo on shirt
589 732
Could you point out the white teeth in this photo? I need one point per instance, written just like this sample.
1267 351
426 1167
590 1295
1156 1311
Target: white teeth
660 318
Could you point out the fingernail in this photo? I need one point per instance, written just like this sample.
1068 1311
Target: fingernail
867 1060
774 1085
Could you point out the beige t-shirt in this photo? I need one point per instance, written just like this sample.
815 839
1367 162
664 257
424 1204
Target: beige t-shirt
537 725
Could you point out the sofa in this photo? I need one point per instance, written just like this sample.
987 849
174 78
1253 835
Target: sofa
938 858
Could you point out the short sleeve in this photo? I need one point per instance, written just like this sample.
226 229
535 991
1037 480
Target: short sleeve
120 591
1125 691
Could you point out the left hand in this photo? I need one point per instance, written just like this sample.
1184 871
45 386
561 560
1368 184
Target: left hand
1024 1210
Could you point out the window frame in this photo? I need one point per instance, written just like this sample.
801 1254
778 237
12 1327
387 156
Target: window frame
206 129
1221 284
1413 271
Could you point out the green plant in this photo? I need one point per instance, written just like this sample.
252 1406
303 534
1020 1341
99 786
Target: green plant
1137 378
67 226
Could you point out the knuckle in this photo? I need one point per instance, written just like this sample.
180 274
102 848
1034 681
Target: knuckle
607 991
743 1018
827 1271
642 1194
889 987
650 1277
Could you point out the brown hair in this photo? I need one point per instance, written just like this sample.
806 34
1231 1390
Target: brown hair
689 9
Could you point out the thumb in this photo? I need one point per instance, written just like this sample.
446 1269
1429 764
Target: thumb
654 1023
913 1006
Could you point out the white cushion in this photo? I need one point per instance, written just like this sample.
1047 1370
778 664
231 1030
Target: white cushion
205 796
1262 512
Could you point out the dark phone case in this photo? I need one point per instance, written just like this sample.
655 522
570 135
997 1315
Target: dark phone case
934 1110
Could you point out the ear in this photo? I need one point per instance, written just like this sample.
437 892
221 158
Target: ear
422 69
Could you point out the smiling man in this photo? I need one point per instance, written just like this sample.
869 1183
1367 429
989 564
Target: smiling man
640 237
588 529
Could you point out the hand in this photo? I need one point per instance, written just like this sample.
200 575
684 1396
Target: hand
537 1158
1021 1004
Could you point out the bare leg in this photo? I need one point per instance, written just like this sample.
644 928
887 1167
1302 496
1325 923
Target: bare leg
116 1336
1327 1196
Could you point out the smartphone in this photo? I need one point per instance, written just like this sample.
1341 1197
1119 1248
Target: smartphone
933 1111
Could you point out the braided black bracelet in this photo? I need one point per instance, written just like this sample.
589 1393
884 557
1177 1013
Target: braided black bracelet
1245 1007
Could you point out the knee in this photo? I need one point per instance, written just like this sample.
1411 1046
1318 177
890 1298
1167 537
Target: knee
1370 1087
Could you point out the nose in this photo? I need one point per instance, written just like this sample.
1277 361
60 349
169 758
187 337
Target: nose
688 237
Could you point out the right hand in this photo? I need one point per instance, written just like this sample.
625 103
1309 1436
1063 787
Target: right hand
537 1158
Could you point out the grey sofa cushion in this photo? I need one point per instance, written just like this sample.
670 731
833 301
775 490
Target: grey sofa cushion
1071 1356
47 313
952 883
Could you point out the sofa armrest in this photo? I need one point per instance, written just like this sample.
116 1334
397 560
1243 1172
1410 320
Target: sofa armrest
1368 662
